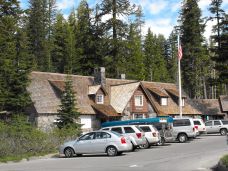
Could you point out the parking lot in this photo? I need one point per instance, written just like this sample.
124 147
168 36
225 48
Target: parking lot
201 153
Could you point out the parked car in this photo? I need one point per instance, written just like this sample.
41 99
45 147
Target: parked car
108 142
133 132
152 135
217 126
199 125
183 129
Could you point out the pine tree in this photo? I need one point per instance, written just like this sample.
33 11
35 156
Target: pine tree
68 113
192 39
14 59
116 30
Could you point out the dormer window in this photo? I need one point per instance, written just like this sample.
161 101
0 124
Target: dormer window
100 99
139 100
183 101
164 101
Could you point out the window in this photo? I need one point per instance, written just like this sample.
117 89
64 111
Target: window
146 128
164 101
217 123
181 122
88 136
197 123
139 100
100 99
138 116
117 129
102 135
225 122
129 130
209 123
183 101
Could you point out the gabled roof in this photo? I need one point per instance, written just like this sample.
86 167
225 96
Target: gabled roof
208 106
172 107
121 95
224 102
158 92
94 88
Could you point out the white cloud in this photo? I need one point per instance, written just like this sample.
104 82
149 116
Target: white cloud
65 4
208 29
159 26
158 6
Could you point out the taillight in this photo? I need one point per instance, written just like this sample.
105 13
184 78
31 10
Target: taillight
123 140
154 134
139 135
196 126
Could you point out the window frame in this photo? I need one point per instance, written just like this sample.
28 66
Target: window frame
98 99
140 100
166 101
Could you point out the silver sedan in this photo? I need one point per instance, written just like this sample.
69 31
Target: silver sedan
108 142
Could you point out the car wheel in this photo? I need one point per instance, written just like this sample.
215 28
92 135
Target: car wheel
119 153
161 142
223 131
111 151
182 138
69 152
145 146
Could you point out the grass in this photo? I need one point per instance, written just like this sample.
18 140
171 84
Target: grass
224 160
21 157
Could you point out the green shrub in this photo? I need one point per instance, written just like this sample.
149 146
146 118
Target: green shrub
224 160
21 140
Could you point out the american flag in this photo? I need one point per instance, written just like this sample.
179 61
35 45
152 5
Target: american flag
180 52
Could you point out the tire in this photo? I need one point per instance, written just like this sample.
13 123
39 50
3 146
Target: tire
182 138
119 153
111 151
133 147
223 131
145 146
68 152
161 142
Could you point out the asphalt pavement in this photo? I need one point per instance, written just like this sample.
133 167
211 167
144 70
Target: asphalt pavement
200 154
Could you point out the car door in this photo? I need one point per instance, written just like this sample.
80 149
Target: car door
209 126
84 143
217 126
100 142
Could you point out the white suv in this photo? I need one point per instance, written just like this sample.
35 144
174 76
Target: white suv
199 124
133 132
152 135
183 128
217 126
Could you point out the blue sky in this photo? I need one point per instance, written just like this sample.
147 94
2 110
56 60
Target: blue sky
159 15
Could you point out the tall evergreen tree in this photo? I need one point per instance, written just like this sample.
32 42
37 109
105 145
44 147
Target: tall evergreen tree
14 59
116 30
68 113
192 39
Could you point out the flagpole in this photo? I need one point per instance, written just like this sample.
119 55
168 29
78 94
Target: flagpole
179 77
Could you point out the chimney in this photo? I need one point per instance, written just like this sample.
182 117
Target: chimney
99 76
122 76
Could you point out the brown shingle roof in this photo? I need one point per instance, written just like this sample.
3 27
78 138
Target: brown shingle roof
107 110
175 92
158 92
208 106
224 103
172 107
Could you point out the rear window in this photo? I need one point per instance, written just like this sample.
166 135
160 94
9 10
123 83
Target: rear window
139 128
225 122
181 122
117 129
129 130
145 128
197 123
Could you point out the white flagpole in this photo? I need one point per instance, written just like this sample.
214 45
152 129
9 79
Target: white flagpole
179 77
